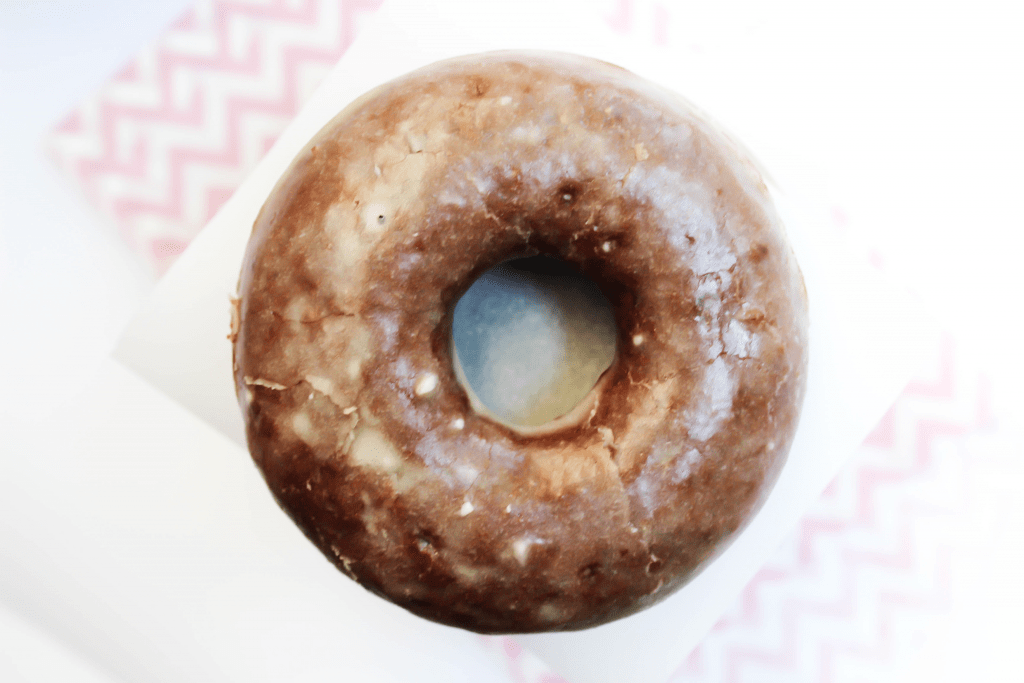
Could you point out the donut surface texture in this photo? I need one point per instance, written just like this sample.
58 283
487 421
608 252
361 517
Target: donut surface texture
342 333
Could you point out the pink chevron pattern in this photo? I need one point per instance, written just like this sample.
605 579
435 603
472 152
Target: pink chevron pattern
170 137
855 587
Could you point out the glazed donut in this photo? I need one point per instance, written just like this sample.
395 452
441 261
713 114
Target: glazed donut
342 342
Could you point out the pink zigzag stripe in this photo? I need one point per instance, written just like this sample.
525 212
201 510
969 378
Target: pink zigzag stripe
129 73
871 477
348 15
841 609
225 12
167 64
191 115
884 434
71 124
692 666
809 531
110 115
229 156
901 559
750 609
748 602
927 432
277 12
889 602
943 386
223 62
188 21
869 480
622 20
125 209
514 656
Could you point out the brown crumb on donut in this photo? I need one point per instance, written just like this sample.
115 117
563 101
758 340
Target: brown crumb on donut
341 338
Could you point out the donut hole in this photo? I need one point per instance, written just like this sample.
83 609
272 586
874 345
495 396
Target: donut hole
531 338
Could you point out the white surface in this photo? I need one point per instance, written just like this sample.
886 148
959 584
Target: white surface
172 563
31 655
913 110
67 288
863 337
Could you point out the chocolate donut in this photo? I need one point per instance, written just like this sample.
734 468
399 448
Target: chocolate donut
342 342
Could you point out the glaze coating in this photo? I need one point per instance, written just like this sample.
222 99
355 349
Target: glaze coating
342 330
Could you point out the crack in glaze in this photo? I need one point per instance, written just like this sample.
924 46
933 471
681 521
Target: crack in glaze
313 321
266 383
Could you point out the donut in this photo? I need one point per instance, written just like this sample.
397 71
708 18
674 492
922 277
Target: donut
342 353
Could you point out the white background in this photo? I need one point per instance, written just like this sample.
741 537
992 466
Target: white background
919 119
